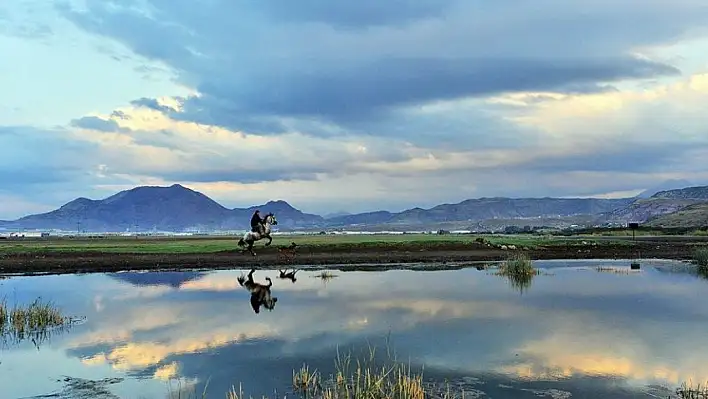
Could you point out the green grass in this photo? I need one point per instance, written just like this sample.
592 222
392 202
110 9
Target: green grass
203 245
519 270
20 322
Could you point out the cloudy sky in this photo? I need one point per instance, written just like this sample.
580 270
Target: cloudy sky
350 106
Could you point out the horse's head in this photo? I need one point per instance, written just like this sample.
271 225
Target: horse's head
270 219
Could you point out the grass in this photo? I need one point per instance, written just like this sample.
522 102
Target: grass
519 270
357 378
689 391
201 245
325 275
700 256
20 322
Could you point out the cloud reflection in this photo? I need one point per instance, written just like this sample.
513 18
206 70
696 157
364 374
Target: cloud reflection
463 320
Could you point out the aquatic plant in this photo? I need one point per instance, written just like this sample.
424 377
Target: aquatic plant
519 270
33 319
518 264
689 391
325 275
700 256
362 378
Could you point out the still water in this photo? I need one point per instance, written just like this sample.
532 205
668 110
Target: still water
574 332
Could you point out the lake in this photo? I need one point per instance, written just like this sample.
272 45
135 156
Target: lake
581 329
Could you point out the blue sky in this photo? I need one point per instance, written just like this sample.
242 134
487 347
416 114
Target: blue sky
350 106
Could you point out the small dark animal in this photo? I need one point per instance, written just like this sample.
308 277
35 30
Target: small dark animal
260 293
288 252
289 275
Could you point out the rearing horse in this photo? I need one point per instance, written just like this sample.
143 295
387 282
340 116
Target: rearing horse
250 237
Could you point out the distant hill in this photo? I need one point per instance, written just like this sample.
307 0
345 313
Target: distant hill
167 279
177 208
645 209
672 184
486 208
336 215
689 193
695 215
661 203
173 208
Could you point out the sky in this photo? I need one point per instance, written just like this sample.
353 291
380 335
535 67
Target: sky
354 106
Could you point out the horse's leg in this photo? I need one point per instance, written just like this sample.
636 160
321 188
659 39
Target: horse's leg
270 240
250 248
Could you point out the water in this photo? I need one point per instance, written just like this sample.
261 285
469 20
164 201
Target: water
574 331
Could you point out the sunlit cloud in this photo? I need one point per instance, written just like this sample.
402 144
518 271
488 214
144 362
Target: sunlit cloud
420 113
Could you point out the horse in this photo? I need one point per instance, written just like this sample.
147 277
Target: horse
260 293
250 237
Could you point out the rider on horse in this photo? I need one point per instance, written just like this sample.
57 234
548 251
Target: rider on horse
257 223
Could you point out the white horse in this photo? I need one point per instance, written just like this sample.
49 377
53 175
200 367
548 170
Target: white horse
250 237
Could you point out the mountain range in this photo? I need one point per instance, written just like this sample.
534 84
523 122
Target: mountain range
177 208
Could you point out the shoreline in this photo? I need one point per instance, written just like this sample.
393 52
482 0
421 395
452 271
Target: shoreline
373 257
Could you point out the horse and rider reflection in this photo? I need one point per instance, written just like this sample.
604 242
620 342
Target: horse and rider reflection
260 293
286 275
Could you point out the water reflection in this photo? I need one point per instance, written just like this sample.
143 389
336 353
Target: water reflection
260 293
588 333
288 275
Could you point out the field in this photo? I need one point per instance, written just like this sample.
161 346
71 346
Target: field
206 244
63 255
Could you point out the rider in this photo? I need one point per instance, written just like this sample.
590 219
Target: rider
257 222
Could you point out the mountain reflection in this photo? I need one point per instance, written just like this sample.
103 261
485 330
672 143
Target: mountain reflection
575 325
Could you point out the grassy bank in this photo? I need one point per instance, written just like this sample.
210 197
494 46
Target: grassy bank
197 245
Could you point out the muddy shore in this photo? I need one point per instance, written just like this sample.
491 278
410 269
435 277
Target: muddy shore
361 258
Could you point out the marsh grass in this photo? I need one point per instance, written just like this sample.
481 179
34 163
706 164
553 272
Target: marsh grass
519 270
689 391
31 321
325 275
616 270
362 377
700 256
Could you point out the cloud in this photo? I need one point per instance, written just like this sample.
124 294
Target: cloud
408 103
309 68
96 123
595 330
39 156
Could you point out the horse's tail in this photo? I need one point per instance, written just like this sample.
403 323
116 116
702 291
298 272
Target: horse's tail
241 242
241 280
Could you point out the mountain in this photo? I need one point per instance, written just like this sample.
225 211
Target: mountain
695 215
336 214
665 202
173 208
671 184
177 208
167 279
699 193
367 218
473 210
645 209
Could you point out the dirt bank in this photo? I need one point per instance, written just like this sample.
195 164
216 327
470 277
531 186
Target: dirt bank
382 257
